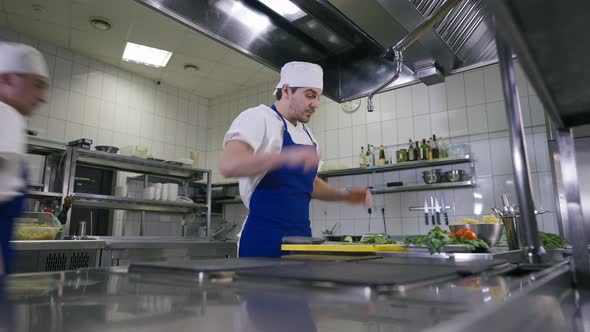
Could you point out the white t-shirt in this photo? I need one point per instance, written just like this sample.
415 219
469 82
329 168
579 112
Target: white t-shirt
262 129
12 152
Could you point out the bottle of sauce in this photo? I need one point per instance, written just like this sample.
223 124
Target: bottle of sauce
411 151
369 157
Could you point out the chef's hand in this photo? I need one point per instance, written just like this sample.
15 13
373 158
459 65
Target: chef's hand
359 196
300 156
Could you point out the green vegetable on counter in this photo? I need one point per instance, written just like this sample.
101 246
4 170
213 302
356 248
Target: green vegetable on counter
552 241
438 238
348 239
378 239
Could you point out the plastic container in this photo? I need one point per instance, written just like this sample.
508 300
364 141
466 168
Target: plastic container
135 151
36 226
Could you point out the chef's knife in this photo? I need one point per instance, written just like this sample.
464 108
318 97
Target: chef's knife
426 210
432 210
444 208
437 207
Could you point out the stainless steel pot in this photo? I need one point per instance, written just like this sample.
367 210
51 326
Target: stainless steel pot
431 176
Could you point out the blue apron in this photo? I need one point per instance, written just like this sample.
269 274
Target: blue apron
279 206
8 211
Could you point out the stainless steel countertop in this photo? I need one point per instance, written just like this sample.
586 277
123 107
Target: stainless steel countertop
57 245
110 300
111 242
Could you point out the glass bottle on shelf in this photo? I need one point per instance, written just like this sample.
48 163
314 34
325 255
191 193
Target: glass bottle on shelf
424 149
381 155
368 157
442 150
411 151
417 152
429 144
363 156
435 148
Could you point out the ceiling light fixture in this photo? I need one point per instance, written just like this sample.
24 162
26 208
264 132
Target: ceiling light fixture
285 8
100 23
146 55
190 67
38 8
255 21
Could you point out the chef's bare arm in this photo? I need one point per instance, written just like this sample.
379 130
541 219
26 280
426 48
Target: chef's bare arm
239 160
325 192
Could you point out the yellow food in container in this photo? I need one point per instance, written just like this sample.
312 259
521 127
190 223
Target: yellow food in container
36 226
486 219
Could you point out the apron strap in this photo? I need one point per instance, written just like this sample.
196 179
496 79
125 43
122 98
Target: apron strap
274 108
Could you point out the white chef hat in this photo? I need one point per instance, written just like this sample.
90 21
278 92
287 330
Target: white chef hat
22 59
301 74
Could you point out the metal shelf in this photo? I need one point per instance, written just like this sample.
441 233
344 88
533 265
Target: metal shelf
136 164
422 187
43 194
228 201
123 203
397 167
44 146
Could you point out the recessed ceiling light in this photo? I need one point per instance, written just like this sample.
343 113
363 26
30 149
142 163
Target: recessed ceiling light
38 8
100 23
146 55
190 67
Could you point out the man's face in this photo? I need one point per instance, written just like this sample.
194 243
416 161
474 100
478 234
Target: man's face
25 92
304 102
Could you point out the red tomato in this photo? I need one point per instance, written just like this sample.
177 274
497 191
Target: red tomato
459 233
470 235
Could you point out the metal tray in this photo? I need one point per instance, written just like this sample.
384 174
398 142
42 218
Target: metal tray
208 265
356 274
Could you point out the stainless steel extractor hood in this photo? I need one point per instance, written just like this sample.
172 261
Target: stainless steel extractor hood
348 38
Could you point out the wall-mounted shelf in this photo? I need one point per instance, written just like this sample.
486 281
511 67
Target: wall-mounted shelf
124 203
397 167
228 201
423 187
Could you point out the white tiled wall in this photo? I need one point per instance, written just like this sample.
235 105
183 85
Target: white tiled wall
111 106
98 101
467 108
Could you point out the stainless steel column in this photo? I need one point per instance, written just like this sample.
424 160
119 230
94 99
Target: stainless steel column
528 227
209 180
573 207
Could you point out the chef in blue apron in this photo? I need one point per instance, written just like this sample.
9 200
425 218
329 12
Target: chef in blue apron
23 87
276 157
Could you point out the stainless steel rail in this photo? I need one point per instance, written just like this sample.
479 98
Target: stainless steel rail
530 233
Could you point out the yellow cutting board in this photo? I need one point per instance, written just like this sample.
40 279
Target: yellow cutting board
343 247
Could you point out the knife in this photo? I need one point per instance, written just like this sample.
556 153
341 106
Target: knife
432 210
437 207
426 210
444 208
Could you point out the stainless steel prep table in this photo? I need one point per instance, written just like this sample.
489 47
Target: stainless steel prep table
113 300
61 255
120 251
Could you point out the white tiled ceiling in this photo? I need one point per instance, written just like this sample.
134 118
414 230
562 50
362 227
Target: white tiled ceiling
66 24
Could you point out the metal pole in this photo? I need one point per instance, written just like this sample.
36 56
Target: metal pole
425 25
208 203
528 224
573 210
408 40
